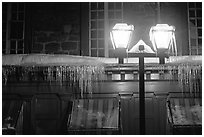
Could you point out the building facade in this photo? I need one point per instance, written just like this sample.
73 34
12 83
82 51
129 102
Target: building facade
38 89
83 28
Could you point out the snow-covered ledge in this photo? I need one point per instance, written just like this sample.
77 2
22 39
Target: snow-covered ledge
59 60
49 60
170 60
82 71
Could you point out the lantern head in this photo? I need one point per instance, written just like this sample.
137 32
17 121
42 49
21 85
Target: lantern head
163 39
121 35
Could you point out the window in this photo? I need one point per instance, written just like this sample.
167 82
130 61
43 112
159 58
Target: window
13 28
4 27
96 31
195 27
102 17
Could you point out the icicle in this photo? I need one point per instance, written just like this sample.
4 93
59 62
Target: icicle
189 76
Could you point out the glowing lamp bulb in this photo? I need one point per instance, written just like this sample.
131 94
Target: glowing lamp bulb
120 35
162 37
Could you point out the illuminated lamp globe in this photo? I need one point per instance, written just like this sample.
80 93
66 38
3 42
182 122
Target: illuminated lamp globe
162 37
121 35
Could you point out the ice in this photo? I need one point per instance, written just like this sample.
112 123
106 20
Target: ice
180 116
14 59
189 70
78 71
48 59
177 60
83 71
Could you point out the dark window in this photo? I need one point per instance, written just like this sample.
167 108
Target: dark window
4 45
100 5
193 51
4 25
191 5
200 32
12 51
4 35
101 52
100 43
199 41
199 13
4 15
93 44
93 15
21 7
93 6
111 14
93 34
93 24
16 30
118 15
100 24
20 51
21 16
193 22
193 42
198 4
101 34
14 16
110 5
199 22
20 44
4 7
118 5
100 15
192 13
14 7
94 52
13 45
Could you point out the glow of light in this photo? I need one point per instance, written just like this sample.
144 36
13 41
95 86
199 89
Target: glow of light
163 38
120 35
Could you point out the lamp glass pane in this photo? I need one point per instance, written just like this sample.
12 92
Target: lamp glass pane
162 39
121 38
120 35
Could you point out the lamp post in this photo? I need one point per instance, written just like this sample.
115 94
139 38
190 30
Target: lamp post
163 40
120 37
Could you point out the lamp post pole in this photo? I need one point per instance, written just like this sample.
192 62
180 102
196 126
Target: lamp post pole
141 56
162 38
141 95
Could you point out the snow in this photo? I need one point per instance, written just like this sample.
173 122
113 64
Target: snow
180 115
56 60
135 48
185 59
12 59
48 59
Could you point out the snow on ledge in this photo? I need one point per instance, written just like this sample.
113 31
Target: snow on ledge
58 60
12 59
185 59
48 59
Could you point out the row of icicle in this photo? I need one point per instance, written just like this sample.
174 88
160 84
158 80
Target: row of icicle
82 77
189 76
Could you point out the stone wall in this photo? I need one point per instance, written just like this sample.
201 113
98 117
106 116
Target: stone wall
66 41
55 27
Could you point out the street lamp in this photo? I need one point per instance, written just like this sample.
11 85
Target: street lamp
163 41
120 38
